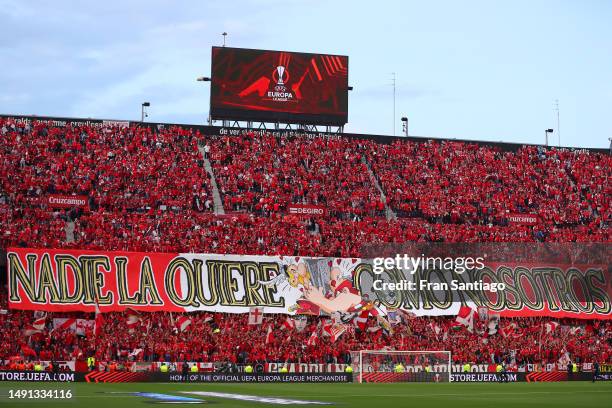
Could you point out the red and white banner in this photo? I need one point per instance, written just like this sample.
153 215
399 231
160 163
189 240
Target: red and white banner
313 339
66 201
269 335
523 219
83 326
63 323
133 319
306 210
72 280
465 317
119 123
78 326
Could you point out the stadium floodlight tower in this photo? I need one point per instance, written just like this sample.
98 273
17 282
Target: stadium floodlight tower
143 111
205 79
546 133
401 366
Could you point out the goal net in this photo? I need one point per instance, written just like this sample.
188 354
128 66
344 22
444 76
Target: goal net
401 366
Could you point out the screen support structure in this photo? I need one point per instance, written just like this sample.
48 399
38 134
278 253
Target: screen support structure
283 126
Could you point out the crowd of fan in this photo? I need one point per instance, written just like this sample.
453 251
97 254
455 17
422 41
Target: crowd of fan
149 190
211 337
122 170
469 183
263 174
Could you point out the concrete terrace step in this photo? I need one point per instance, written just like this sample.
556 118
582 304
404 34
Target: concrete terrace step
389 213
218 203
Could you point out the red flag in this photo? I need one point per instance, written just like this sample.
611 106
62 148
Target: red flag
64 323
511 330
38 325
30 330
466 317
312 340
269 335
27 350
132 319
182 322
40 322
337 331
435 328
289 324
83 326
361 320
99 320
550 327
326 327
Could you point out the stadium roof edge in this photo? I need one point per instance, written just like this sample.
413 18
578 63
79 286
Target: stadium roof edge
507 146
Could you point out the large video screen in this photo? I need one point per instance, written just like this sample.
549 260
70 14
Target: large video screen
279 86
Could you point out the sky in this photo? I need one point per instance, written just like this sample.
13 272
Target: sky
477 70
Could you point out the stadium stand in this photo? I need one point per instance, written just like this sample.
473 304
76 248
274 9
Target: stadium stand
262 174
456 183
157 339
149 191
121 170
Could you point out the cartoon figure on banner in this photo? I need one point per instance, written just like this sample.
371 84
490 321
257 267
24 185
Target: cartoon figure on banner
295 279
344 297
342 301
295 275
299 276
312 300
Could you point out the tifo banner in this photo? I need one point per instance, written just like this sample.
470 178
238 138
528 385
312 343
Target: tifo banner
72 280
65 201
307 210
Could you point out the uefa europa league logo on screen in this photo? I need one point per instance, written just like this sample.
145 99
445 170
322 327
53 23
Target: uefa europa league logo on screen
280 75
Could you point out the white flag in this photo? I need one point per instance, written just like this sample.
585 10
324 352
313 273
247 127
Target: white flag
182 322
64 323
255 315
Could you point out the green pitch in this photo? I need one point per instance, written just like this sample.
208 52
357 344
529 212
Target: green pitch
429 395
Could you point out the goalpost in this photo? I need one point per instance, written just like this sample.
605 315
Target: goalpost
401 366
